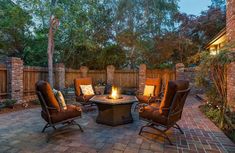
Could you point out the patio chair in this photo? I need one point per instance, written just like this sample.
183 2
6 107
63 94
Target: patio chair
157 94
51 111
169 111
80 97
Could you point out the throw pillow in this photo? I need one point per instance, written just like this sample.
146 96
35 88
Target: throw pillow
60 98
148 90
87 89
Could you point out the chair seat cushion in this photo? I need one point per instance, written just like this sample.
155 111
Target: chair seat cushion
152 113
144 99
71 112
84 98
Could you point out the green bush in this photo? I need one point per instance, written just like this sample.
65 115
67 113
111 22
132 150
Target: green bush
36 101
9 102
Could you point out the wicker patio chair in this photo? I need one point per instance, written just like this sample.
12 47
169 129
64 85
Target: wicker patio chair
169 111
51 111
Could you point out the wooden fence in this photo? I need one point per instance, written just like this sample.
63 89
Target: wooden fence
96 75
122 78
126 78
3 81
165 75
30 76
70 75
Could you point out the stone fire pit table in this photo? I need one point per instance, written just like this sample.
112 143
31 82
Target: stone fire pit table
114 111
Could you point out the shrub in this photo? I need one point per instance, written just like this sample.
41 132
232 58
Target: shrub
9 102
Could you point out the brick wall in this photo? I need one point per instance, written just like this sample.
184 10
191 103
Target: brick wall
15 78
231 85
230 21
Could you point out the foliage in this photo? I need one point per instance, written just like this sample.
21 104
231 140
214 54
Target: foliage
214 114
151 32
9 102
14 28
212 76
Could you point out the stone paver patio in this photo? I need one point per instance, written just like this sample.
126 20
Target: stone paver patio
20 132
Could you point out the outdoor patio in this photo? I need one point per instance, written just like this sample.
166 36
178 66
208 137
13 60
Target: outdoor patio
21 132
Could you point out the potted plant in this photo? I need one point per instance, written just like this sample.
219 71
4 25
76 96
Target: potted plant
100 87
9 103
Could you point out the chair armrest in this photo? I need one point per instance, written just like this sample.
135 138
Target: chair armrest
51 108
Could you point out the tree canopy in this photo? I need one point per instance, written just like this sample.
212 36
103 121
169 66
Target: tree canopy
96 33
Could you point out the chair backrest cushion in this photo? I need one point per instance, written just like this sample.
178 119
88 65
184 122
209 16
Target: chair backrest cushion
170 91
156 82
45 89
81 81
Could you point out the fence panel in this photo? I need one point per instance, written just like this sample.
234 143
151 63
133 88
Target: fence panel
3 81
97 75
126 78
30 76
165 75
70 75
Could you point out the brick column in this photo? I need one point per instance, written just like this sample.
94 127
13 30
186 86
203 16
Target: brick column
230 21
110 74
15 78
231 85
84 71
59 76
142 77
179 71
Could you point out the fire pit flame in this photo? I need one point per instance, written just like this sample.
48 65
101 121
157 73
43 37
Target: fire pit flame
115 94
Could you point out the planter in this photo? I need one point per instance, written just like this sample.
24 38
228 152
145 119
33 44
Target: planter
99 90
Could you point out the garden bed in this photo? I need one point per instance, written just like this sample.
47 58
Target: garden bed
18 107
213 115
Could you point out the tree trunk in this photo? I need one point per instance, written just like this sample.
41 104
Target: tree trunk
50 54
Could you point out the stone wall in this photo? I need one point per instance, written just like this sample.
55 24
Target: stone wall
184 73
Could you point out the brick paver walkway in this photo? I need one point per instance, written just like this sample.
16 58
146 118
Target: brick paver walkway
20 132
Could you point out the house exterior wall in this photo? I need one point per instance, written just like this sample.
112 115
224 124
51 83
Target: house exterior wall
230 21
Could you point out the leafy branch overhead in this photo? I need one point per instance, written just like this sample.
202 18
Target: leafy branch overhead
152 32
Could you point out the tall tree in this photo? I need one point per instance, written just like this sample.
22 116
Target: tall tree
14 29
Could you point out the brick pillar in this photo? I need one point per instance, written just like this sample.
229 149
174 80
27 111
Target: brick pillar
230 22
142 77
231 85
179 71
59 76
84 71
110 74
15 78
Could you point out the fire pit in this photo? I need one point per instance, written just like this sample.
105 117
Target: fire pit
114 109
115 94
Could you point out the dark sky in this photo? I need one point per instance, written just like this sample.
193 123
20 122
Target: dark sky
193 6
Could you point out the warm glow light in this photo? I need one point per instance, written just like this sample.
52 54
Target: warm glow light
213 52
114 94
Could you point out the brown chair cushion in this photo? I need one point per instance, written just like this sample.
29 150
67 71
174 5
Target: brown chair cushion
152 113
156 82
84 98
144 99
81 81
170 91
48 95
71 112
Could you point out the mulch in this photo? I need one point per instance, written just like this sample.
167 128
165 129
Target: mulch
19 107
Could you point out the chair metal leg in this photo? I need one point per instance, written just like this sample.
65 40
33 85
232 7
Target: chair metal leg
178 127
54 127
163 134
44 128
75 123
